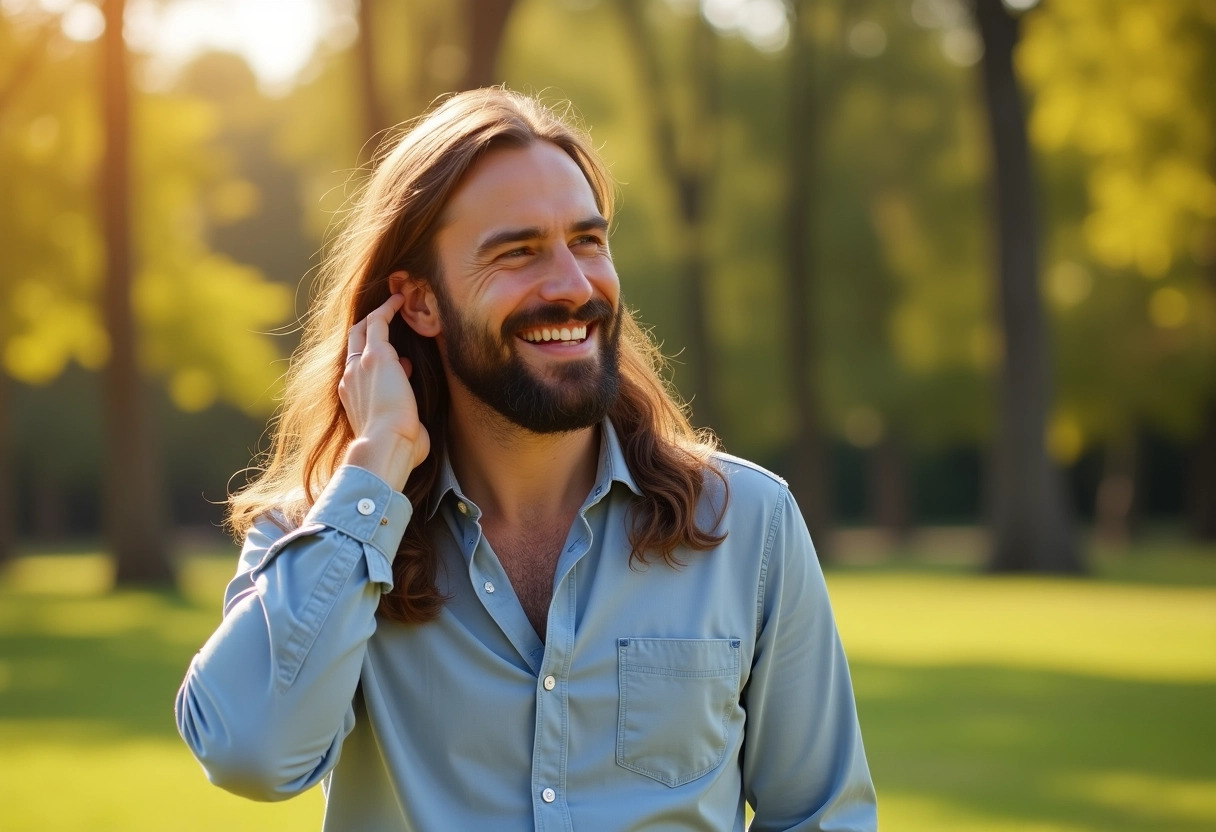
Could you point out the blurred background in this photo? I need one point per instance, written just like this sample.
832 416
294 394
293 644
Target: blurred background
948 266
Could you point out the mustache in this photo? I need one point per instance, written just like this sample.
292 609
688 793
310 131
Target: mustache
596 310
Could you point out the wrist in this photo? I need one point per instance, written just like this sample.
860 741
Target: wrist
387 455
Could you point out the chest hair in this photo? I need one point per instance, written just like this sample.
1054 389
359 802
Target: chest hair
530 561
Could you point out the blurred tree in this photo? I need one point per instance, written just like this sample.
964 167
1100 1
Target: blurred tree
1123 113
1031 513
808 469
375 120
12 83
134 513
899 303
485 22
684 120
200 316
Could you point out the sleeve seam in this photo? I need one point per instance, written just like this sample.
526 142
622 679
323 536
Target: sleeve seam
766 559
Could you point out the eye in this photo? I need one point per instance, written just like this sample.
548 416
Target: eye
587 243
515 253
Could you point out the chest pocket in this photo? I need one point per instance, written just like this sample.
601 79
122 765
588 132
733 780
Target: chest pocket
676 698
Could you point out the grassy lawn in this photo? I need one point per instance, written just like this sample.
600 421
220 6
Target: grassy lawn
989 704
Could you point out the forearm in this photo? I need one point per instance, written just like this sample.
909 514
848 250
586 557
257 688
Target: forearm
267 702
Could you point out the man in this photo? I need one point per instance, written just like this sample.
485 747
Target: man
491 577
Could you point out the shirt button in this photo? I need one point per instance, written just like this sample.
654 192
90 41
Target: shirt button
550 683
548 795
365 506
463 507
489 586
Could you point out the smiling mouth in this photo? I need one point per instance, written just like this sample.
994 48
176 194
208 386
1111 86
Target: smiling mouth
569 334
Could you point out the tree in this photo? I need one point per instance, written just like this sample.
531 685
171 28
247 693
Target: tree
200 317
374 118
1123 116
135 527
809 480
1031 516
687 151
13 83
486 25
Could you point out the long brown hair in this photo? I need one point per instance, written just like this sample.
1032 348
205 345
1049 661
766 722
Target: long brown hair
391 227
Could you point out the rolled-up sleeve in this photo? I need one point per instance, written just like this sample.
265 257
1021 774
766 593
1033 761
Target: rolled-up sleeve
804 765
267 701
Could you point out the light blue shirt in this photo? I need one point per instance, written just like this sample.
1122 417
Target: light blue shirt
660 699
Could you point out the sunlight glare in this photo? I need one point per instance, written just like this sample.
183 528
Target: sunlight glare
276 39
83 22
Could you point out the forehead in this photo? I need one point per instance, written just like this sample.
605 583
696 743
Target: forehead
534 186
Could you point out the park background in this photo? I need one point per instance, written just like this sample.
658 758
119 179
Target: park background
949 266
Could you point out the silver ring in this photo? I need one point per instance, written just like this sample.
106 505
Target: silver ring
353 355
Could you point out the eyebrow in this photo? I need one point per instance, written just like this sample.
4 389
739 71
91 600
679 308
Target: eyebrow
519 235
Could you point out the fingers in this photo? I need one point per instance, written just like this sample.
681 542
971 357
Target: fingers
374 328
378 320
356 339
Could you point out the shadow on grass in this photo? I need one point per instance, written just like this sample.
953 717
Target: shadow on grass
114 662
1041 746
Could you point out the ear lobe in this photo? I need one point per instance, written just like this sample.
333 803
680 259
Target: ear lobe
421 309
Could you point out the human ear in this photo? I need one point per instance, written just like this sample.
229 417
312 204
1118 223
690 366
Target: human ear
421 309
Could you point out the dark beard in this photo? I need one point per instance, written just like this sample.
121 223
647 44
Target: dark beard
579 396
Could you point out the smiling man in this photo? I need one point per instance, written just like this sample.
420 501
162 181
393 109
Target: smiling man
491 578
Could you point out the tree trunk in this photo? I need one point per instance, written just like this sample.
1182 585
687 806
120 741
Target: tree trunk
24 69
49 504
1116 497
375 122
688 175
1033 523
1203 480
1203 464
8 494
134 527
487 24
890 503
808 468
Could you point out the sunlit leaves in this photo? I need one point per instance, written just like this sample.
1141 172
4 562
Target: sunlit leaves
204 319
1122 94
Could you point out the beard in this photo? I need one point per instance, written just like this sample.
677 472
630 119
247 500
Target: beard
577 394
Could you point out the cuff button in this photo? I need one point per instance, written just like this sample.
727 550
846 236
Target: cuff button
365 506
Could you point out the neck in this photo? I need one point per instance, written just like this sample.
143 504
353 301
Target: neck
516 476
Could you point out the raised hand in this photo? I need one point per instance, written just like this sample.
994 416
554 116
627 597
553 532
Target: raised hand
390 440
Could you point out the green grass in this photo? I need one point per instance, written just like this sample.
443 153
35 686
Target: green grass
993 704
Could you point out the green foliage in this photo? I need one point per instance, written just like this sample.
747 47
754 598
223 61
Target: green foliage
49 145
235 189
203 317
1123 115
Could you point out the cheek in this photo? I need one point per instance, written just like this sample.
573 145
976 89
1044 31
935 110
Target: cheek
603 276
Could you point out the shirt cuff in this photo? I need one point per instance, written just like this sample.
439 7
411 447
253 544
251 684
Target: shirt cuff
358 503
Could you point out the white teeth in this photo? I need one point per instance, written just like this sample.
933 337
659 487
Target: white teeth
577 333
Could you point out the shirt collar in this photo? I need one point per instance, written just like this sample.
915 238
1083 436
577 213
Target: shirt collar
611 468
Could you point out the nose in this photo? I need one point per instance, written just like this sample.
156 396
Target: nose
565 281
